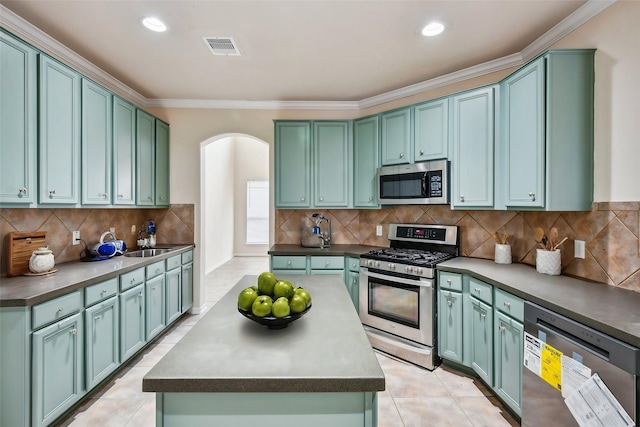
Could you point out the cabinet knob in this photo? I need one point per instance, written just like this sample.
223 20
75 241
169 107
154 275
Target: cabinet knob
483 315
73 331
23 191
302 199
140 295
477 290
401 155
104 291
327 263
161 197
507 304
322 199
133 280
289 262
533 196
120 196
370 198
449 281
51 193
421 152
449 303
461 198
105 195
97 318
60 309
501 328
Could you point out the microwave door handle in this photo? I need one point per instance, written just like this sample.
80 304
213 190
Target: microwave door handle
425 180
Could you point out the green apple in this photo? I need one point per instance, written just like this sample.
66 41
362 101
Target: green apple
266 282
283 288
297 304
280 307
261 307
246 298
303 293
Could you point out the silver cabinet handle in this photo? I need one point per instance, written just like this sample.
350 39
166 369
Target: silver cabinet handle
449 303
449 281
533 196
477 290
483 315
140 295
60 309
501 328
401 155
302 199
322 199
461 198
507 304
133 280
104 291
327 263
105 195
23 191
370 198
421 152
51 193
97 318
73 331
120 196
289 262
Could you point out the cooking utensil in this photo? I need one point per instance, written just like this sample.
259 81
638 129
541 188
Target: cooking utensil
560 243
553 238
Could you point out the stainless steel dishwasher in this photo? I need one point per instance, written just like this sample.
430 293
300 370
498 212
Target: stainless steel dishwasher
615 362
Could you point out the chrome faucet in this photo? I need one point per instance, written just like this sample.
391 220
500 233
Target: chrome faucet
325 238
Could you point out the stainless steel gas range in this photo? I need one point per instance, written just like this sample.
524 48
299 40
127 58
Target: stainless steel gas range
398 290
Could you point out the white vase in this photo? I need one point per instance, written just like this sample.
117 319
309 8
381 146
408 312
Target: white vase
41 260
548 262
503 254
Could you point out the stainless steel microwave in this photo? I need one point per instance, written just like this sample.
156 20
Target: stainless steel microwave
425 183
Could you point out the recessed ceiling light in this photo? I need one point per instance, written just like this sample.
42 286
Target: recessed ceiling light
154 24
433 29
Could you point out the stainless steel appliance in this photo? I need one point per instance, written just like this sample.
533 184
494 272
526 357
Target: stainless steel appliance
397 290
615 362
425 183
315 231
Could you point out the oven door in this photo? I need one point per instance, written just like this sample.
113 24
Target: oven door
398 305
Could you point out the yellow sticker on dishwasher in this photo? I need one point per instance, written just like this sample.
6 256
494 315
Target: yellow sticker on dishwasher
551 366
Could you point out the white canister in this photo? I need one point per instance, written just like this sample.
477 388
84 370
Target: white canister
503 254
41 260
548 262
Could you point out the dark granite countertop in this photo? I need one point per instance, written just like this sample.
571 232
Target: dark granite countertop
608 309
337 250
30 290
326 350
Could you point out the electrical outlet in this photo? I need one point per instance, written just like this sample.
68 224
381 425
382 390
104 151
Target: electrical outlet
76 238
579 249
378 230
133 229
112 229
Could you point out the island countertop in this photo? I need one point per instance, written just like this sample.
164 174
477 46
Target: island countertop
326 350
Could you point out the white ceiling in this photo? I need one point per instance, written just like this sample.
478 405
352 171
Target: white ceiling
295 50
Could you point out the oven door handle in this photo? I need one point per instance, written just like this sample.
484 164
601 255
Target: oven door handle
420 282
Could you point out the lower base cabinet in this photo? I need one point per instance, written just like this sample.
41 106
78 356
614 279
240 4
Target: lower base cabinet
172 294
155 299
508 353
58 354
481 339
101 341
132 321
186 298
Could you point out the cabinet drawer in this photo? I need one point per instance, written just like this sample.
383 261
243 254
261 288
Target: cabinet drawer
353 264
56 309
187 257
482 291
155 269
451 281
289 262
100 291
174 262
132 278
327 263
510 305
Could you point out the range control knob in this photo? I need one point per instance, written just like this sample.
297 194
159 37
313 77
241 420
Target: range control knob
391 266
408 269
418 271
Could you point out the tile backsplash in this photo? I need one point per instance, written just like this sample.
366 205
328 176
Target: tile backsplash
173 225
610 230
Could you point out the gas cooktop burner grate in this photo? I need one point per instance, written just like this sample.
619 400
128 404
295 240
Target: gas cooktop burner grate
413 255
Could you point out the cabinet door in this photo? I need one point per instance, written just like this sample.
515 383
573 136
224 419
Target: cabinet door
366 137
145 159
481 335
96 144
450 325
523 106
186 298
101 341
132 318
473 145
431 130
331 160
155 306
508 353
396 136
124 152
18 126
59 145
354 288
293 164
57 369
162 163
172 294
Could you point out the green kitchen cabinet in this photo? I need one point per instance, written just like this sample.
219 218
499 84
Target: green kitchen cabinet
186 297
331 164
59 133
292 164
450 326
481 339
173 281
18 121
326 265
352 279
132 321
395 141
162 163
145 159
286 264
155 299
124 152
58 355
366 142
96 144
547 118
102 322
472 161
431 130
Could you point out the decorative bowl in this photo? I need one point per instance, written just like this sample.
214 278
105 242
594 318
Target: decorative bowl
273 322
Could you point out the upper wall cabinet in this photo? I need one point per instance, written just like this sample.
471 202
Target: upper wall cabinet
145 159
162 163
59 133
547 116
96 144
292 164
366 137
331 160
395 143
431 130
124 152
473 149
18 126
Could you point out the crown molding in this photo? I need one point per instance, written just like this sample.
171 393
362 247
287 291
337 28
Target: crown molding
46 43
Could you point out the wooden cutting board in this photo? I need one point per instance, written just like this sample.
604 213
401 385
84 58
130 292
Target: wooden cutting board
20 246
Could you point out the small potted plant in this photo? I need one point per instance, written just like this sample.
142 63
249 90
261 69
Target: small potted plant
503 249
548 260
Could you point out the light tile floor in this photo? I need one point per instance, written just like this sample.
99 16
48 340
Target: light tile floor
414 397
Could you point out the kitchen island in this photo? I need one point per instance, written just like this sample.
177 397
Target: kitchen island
230 371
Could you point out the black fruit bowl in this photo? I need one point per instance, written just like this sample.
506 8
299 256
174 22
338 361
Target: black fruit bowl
273 322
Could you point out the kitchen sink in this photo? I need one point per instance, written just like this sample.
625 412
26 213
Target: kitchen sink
146 253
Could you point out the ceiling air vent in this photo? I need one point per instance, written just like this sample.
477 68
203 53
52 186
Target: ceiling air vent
222 46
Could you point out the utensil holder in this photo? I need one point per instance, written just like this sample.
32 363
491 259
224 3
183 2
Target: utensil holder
503 254
548 262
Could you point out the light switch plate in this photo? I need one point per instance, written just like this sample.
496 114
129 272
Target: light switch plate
378 230
579 249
